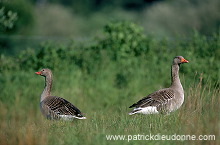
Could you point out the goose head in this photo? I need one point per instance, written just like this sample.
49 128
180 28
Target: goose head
179 60
44 72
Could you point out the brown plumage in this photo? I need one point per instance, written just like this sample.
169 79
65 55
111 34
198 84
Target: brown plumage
53 107
164 100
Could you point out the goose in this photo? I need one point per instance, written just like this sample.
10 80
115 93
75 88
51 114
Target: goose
164 100
55 108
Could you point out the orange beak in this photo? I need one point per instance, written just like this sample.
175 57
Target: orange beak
38 73
184 60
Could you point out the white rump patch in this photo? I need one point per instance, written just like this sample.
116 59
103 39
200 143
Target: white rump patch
145 110
70 117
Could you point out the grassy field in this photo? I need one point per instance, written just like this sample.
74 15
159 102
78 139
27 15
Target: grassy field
106 109
103 81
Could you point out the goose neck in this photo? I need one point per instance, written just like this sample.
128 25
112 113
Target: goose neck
175 80
47 87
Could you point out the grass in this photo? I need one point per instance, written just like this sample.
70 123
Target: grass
103 79
106 108
103 88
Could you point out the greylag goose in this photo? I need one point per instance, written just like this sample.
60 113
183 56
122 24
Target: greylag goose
53 107
164 100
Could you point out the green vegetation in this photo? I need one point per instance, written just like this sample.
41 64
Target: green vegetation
21 12
109 69
102 79
7 19
62 20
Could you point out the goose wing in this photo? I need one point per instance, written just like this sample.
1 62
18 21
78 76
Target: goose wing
157 98
57 107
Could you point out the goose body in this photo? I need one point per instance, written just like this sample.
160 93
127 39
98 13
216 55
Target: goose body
164 100
53 107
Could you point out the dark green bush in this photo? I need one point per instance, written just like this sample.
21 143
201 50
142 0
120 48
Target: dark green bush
125 53
7 19
48 56
124 40
24 12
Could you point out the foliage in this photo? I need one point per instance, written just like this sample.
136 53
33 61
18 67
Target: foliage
125 40
124 47
24 12
16 17
49 55
7 19
102 79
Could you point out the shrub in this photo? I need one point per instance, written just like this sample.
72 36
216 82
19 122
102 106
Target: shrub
48 56
123 40
24 12
7 19
125 54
